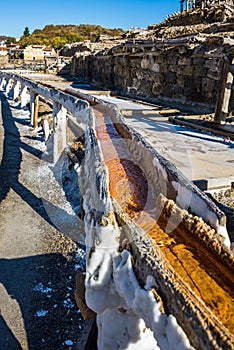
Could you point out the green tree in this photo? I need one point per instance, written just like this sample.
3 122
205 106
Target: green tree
59 35
26 32
10 40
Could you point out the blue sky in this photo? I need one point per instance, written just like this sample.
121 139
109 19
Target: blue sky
16 15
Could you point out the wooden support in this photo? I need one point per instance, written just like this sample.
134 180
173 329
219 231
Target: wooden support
221 112
36 110
34 107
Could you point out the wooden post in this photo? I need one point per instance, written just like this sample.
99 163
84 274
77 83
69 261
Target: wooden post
59 126
36 110
224 95
34 107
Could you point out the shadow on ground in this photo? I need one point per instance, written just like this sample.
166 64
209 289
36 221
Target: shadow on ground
43 286
10 168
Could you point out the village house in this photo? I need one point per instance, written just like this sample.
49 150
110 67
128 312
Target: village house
38 53
14 51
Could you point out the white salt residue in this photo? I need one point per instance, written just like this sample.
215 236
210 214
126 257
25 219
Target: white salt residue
167 332
68 342
100 287
68 304
123 330
46 129
40 288
223 232
77 267
150 283
184 195
199 207
80 256
157 163
41 313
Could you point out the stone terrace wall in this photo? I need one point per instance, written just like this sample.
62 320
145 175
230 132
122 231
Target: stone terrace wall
222 12
177 71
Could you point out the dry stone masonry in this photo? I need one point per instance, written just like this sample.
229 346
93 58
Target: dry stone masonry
179 61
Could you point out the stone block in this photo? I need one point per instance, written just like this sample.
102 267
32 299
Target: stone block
212 63
170 77
134 63
143 75
173 60
188 70
193 82
155 67
190 82
184 61
156 88
178 91
198 61
145 63
198 96
200 71
213 74
180 80
167 89
159 58
164 68
208 85
188 92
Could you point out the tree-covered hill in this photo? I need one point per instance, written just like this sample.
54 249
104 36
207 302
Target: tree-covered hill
7 39
59 35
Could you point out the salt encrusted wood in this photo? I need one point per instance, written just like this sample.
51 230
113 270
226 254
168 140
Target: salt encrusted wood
203 328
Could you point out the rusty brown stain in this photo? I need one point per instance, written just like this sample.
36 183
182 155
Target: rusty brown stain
128 185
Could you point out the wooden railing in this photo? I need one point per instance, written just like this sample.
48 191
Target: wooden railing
28 92
139 298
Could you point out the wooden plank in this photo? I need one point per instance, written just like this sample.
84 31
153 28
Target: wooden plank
194 125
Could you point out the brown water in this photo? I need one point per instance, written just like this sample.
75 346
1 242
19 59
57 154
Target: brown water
212 282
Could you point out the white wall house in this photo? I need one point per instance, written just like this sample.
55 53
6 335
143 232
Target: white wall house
38 52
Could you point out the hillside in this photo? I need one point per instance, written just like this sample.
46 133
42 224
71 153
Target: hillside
59 35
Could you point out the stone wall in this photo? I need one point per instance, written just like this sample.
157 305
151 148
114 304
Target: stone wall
179 71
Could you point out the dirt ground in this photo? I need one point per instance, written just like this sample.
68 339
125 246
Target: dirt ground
38 261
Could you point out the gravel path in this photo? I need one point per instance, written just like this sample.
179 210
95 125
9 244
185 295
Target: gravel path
38 261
